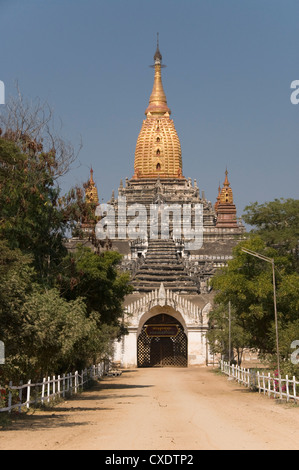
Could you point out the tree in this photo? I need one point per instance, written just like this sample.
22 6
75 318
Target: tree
288 342
218 333
29 215
30 125
77 212
33 156
57 311
247 283
16 284
57 335
97 278
277 223
45 332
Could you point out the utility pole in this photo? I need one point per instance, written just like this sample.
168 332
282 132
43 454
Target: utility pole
271 261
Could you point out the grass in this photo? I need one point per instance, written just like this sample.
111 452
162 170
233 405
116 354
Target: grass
5 420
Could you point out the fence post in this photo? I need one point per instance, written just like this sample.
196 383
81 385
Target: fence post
264 384
28 394
76 381
258 381
9 397
269 384
43 390
35 394
63 385
287 387
20 396
48 390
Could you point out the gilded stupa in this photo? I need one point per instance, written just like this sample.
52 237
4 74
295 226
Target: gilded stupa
226 194
91 192
92 200
225 208
158 149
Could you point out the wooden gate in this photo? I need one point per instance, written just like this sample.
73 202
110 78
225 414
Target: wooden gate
162 343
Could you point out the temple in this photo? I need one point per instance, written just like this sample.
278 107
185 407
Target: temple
172 239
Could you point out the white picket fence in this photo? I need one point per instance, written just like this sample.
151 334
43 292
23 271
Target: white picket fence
278 387
24 395
240 374
269 385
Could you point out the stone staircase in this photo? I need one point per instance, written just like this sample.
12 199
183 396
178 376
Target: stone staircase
162 264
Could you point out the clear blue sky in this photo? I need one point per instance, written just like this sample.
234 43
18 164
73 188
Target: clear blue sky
230 64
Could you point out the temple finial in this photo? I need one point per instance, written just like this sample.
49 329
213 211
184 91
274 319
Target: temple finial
157 101
91 175
158 55
226 182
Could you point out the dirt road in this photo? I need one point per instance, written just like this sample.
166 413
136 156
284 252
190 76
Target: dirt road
152 409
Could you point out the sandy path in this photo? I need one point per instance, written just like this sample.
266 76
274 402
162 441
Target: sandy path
167 409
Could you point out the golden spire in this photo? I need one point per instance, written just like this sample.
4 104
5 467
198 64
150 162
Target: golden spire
226 195
91 193
158 101
226 182
158 148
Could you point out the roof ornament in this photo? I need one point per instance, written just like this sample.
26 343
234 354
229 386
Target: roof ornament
158 56
226 182
157 101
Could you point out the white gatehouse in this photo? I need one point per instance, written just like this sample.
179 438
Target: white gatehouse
164 329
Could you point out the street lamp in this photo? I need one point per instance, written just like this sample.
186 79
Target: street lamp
271 261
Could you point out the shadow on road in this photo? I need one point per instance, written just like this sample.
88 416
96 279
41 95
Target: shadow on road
110 386
45 420
57 415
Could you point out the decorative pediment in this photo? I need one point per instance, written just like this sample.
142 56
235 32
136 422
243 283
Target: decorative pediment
166 298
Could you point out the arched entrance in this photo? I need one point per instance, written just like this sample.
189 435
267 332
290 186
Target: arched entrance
162 343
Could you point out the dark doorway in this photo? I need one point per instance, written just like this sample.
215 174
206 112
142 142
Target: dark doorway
162 343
